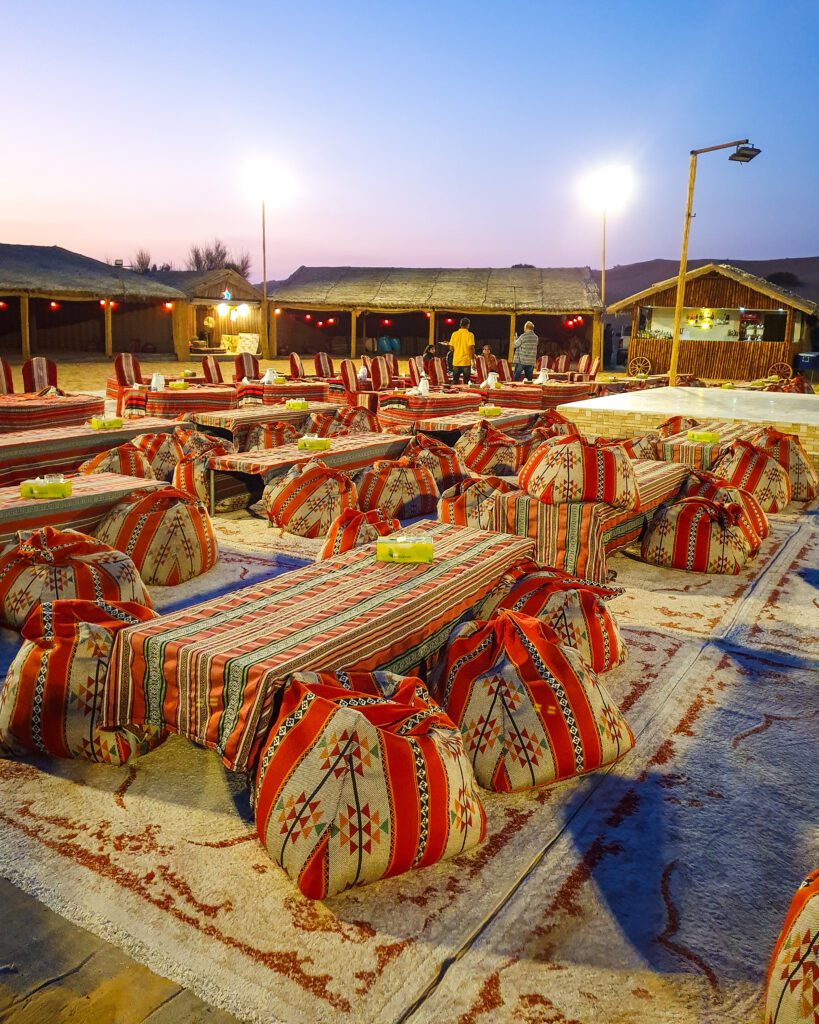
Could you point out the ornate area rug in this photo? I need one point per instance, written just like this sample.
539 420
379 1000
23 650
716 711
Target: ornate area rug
651 893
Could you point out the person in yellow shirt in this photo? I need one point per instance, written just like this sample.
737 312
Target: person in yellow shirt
462 344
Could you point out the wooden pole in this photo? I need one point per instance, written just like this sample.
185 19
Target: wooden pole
513 319
265 346
431 335
109 328
273 335
353 331
603 269
678 308
597 337
180 330
25 330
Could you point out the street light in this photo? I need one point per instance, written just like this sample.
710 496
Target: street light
607 190
744 153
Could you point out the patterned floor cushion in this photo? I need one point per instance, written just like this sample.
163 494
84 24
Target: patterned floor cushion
442 461
191 474
398 488
352 788
167 534
324 424
50 565
160 451
484 449
308 498
676 424
696 535
197 442
54 693
570 469
358 421
753 522
792 995
551 423
271 435
643 447
790 453
757 471
353 528
461 505
126 460
530 711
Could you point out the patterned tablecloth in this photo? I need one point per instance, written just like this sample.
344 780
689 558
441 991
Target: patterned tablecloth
577 536
93 496
210 672
703 455
624 384
537 396
62 449
256 393
33 412
171 403
397 410
509 419
235 424
116 391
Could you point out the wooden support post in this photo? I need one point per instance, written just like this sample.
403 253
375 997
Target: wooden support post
109 328
789 330
513 319
273 335
180 330
597 338
431 335
25 330
353 330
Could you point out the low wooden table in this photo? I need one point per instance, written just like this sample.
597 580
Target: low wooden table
236 424
623 384
397 410
256 393
509 419
537 397
34 412
170 402
703 454
212 672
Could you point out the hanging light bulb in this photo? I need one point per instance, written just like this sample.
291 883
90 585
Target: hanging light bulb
243 309
222 309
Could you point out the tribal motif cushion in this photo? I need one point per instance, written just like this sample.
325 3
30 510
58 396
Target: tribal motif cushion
308 499
461 505
126 460
398 488
197 442
790 453
574 608
444 463
552 423
54 694
160 451
531 713
644 447
354 528
570 469
753 523
352 787
792 995
676 425
323 424
754 469
167 534
191 472
271 435
484 449
697 535
49 565
358 421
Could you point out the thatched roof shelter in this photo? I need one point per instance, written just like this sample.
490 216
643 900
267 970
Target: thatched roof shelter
208 286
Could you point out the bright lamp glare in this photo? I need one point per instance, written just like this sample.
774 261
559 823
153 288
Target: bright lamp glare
271 181
608 188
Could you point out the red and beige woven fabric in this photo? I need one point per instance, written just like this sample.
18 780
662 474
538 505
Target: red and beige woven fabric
38 412
380 374
324 365
753 522
538 397
402 411
172 402
191 472
676 425
753 469
696 535
308 499
444 463
271 435
702 454
530 712
167 534
790 453
792 993
323 424
570 469
575 609
555 423
50 565
296 367
353 528
195 442
399 488
463 504
358 421
126 459
486 450
643 447
53 697
160 451
352 787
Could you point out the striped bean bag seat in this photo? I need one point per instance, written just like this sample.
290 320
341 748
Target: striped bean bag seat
127 460
484 449
398 488
353 787
271 435
190 474
167 534
442 461
643 447
696 535
676 425
353 528
790 453
49 565
755 470
358 421
54 695
753 523
551 423
308 498
462 505
161 452
792 990
531 713
197 442
571 469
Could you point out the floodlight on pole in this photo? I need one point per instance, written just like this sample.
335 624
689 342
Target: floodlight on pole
607 190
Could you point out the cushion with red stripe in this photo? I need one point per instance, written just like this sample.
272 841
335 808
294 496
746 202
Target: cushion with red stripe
53 697
530 711
125 460
484 449
697 535
353 528
271 435
676 424
191 472
167 534
308 498
358 421
643 447
398 488
352 787
197 442
551 423
323 424
790 453
160 451
792 991
568 469
755 470
753 523
442 461
50 565
461 505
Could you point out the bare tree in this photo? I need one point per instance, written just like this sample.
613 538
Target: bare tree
240 262
141 262
215 256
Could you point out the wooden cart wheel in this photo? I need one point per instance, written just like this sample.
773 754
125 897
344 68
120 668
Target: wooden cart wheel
639 364
781 370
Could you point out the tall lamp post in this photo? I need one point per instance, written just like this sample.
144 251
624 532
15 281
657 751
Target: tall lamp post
265 321
744 153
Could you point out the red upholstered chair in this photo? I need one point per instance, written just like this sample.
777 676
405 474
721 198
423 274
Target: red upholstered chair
392 362
39 373
562 363
436 371
246 365
296 367
324 365
368 362
212 370
416 366
128 370
480 368
357 393
6 379
583 363
586 368
544 363
504 370
380 374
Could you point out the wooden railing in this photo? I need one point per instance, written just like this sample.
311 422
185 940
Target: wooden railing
717 360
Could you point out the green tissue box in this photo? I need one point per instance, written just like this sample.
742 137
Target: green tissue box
404 549
296 403
105 423
489 410
179 385
309 443
46 487
703 436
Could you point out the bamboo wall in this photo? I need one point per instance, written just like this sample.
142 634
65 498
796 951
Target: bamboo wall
714 292
721 360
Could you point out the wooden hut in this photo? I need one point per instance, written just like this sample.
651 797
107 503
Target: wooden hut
317 305
52 299
734 326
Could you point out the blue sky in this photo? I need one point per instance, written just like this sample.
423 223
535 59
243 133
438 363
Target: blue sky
420 133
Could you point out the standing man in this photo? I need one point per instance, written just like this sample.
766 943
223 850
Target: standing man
462 344
525 352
